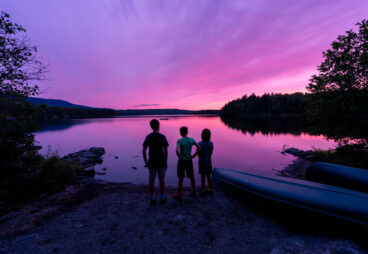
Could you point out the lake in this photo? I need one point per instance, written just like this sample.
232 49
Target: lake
246 146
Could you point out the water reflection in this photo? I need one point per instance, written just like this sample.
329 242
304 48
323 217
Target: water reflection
268 125
256 147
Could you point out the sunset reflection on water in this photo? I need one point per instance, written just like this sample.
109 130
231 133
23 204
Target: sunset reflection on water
122 139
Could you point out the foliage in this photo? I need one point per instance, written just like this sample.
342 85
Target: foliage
19 63
338 95
19 68
32 176
15 132
345 66
354 155
44 112
24 173
267 104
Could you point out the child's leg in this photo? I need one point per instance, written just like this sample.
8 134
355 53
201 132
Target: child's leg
152 177
162 185
193 184
161 178
209 181
180 186
203 181
180 174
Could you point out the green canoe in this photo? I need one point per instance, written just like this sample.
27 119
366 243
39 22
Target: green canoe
326 199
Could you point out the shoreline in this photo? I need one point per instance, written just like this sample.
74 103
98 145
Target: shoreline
97 216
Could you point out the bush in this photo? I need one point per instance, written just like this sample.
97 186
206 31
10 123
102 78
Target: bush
32 177
353 155
53 175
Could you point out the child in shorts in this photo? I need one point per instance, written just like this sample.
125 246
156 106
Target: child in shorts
185 162
205 161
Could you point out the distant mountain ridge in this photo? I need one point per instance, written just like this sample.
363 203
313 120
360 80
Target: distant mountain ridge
54 103
66 104
166 112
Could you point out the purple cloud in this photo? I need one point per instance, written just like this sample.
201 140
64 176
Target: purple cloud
147 105
185 54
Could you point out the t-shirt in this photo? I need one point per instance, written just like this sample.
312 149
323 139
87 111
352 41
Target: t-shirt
186 144
156 143
205 153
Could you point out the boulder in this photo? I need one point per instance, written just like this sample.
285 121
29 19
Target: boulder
87 159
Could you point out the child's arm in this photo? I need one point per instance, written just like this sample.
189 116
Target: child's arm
166 155
178 151
197 150
144 151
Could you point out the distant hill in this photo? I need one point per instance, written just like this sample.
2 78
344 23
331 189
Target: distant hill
66 104
165 112
54 103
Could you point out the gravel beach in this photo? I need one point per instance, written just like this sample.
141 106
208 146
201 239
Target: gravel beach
99 217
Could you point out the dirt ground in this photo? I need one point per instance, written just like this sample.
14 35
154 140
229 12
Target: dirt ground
98 217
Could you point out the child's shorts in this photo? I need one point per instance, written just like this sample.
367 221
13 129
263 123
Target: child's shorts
205 169
161 172
185 167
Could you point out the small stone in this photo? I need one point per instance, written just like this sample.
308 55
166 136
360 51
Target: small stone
179 218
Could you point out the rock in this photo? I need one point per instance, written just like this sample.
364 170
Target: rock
90 173
87 159
299 153
178 218
90 168
104 169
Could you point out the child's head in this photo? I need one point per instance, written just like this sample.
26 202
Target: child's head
206 135
184 131
155 124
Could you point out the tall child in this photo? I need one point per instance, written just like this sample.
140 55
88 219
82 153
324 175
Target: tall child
185 163
205 161
157 161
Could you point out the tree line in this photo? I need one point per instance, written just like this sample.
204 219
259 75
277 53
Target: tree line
266 105
44 112
336 101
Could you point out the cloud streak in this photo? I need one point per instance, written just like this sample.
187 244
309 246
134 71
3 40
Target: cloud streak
190 54
147 105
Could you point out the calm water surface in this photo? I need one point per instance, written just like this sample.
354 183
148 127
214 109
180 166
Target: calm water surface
122 139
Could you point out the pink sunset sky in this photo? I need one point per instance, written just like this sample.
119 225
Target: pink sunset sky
189 54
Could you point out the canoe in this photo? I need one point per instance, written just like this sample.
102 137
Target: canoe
338 175
321 198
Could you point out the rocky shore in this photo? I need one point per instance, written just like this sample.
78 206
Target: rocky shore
93 216
298 168
117 218
87 159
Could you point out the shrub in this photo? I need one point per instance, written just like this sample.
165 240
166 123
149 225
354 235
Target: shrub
354 155
32 177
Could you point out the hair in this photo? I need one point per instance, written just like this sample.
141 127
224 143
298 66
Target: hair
206 135
184 131
155 124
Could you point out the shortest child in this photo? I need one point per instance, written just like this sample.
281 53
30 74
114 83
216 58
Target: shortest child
205 162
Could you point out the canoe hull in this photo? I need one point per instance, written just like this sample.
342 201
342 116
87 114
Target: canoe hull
338 175
321 198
